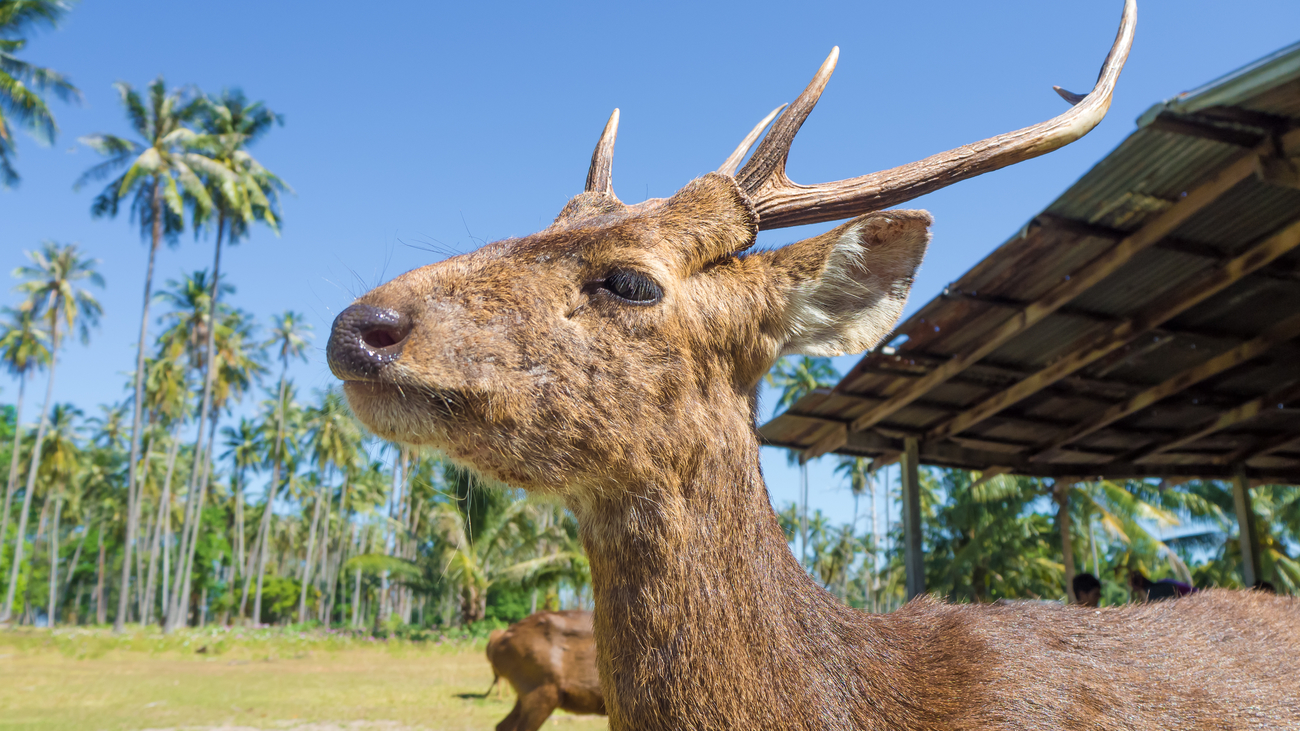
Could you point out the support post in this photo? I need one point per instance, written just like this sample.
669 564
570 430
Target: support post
1246 532
1061 494
913 560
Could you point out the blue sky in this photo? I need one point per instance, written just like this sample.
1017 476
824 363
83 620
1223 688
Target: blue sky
423 129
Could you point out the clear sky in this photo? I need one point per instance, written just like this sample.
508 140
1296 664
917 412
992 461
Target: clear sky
417 130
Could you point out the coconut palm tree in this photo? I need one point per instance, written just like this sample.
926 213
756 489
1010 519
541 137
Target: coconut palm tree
335 440
61 458
24 346
291 337
243 449
797 377
160 171
22 84
245 192
53 285
229 375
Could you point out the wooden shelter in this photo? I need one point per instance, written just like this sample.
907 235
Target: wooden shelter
1145 325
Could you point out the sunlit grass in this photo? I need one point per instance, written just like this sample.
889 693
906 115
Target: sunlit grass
91 679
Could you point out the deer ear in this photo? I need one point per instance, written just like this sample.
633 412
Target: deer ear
845 289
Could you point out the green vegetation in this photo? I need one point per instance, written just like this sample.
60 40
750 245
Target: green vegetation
22 85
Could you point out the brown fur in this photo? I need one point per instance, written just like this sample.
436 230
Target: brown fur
549 658
641 418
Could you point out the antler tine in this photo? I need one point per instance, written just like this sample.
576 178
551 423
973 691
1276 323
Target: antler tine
768 162
781 203
733 161
600 175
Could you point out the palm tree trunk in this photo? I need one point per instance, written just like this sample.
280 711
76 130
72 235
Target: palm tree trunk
155 209
248 574
160 533
12 484
72 565
803 513
270 491
101 611
52 609
306 568
343 546
185 577
362 535
201 457
44 425
237 568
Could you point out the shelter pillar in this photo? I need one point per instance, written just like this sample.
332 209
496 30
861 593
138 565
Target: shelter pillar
1061 494
1247 533
913 559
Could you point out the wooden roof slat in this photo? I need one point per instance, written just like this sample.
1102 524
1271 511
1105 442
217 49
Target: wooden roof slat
1059 295
1282 332
1230 418
1090 348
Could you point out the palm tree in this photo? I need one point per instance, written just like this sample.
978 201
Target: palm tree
242 193
157 170
289 337
61 458
23 346
53 289
861 483
335 440
21 83
243 448
795 378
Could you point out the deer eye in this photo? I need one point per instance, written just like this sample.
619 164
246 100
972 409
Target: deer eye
633 287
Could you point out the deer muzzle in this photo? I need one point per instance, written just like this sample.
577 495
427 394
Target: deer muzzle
364 340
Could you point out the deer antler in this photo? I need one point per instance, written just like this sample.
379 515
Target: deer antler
781 202
600 176
733 161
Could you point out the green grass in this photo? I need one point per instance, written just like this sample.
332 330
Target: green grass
91 679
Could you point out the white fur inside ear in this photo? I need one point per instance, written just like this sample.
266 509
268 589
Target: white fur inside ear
862 288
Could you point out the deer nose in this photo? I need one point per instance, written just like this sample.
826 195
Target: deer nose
364 339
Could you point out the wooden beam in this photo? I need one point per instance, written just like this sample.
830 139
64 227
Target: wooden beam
1091 348
1058 296
1192 127
913 559
1241 413
1268 446
1246 530
838 437
886 450
1281 332
1281 171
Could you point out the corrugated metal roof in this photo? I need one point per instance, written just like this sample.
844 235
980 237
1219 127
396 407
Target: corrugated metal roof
1035 402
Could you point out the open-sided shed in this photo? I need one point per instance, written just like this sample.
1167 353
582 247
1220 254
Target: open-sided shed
1145 325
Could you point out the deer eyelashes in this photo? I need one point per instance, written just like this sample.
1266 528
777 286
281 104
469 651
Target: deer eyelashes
632 287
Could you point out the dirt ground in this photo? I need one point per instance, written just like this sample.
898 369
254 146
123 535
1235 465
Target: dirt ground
350 690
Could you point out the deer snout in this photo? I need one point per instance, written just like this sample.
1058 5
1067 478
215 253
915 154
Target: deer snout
364 339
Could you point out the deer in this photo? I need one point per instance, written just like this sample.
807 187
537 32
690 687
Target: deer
549 658
611 361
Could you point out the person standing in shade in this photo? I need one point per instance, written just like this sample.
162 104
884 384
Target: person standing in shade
1087 590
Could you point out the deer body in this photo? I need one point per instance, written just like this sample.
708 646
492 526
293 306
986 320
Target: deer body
549 658
612 360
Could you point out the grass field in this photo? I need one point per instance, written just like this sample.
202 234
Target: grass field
311 682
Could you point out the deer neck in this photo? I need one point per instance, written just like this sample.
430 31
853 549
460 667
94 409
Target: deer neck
701 611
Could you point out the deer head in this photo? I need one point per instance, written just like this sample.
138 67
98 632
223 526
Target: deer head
601 351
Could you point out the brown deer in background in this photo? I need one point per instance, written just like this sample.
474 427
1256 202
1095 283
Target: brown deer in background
612 360
549 658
